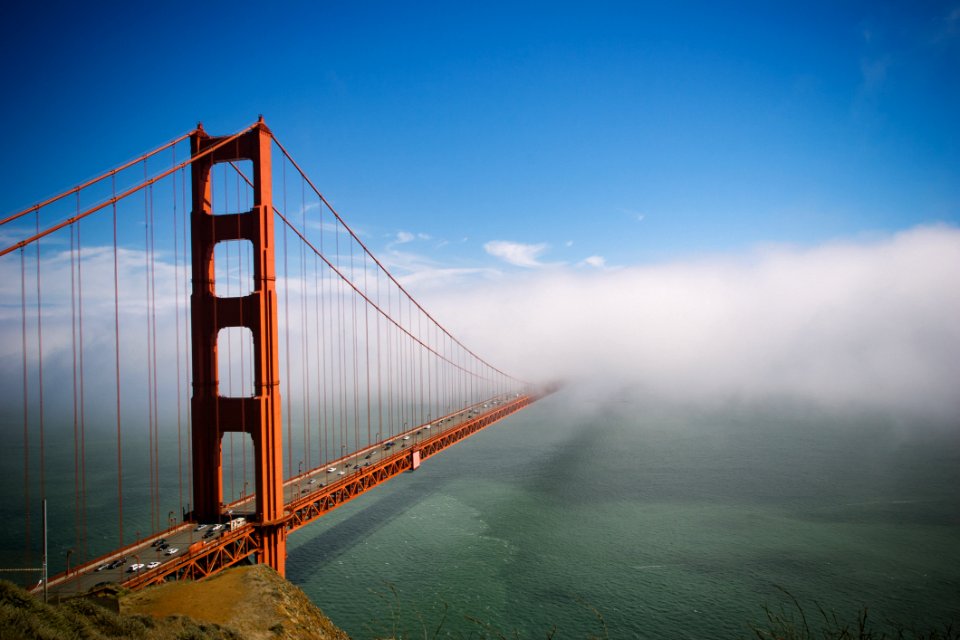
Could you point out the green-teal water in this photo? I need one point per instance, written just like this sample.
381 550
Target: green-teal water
671 522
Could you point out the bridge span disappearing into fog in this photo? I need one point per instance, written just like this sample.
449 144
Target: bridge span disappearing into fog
204 319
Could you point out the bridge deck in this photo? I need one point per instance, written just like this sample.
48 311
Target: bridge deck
202 550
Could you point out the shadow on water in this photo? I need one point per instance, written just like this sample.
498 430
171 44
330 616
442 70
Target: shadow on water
325 545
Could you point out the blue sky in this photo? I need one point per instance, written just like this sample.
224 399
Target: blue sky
754 200
628 133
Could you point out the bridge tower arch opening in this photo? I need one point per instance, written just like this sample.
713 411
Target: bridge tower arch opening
215 414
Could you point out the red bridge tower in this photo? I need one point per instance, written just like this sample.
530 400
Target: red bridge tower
213 414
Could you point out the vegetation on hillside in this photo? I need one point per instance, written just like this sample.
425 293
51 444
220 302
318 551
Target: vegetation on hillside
791 622
22 616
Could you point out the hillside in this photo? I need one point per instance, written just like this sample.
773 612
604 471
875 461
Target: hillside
244 603
253 601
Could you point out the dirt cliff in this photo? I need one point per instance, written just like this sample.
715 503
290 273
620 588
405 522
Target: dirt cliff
254 601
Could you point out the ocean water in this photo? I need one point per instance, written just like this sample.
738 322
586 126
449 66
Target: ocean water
664 521
643 520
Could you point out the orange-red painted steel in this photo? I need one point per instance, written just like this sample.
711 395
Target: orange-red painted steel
308 508
264 533
207 557
213 414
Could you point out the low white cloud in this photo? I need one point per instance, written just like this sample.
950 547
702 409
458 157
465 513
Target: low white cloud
516 253
870 324
598 262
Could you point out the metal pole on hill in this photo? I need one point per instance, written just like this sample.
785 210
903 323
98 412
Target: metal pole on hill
44 550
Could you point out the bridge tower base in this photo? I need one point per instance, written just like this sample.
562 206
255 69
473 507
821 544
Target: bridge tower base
214 414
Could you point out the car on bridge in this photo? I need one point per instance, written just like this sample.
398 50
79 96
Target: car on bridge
153 565
171 551
136 566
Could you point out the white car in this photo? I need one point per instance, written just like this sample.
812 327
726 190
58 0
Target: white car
153 565
171 551
331 469
135 567
217 527
200 527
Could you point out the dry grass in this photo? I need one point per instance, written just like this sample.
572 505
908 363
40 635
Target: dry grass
253 601
24 617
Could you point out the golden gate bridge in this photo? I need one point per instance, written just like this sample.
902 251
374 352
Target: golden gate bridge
203 312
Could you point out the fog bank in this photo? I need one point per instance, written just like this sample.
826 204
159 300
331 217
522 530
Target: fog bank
872 324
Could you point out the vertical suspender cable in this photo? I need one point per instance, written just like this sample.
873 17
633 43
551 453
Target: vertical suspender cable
150 407
304 342
341 366
176 304
319 360
228 291
286 322
317 342
156 384
214 195
83 429
421 351
76 404
327 379
186 332
243 369
43 475
379 366
26 402
366 342
116 345
356 364
388 340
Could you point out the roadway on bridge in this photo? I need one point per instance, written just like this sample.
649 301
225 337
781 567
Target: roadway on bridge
132 561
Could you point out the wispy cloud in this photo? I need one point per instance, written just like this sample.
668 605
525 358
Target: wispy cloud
404 237
598 262
636 215
426 273
516 253
948 28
